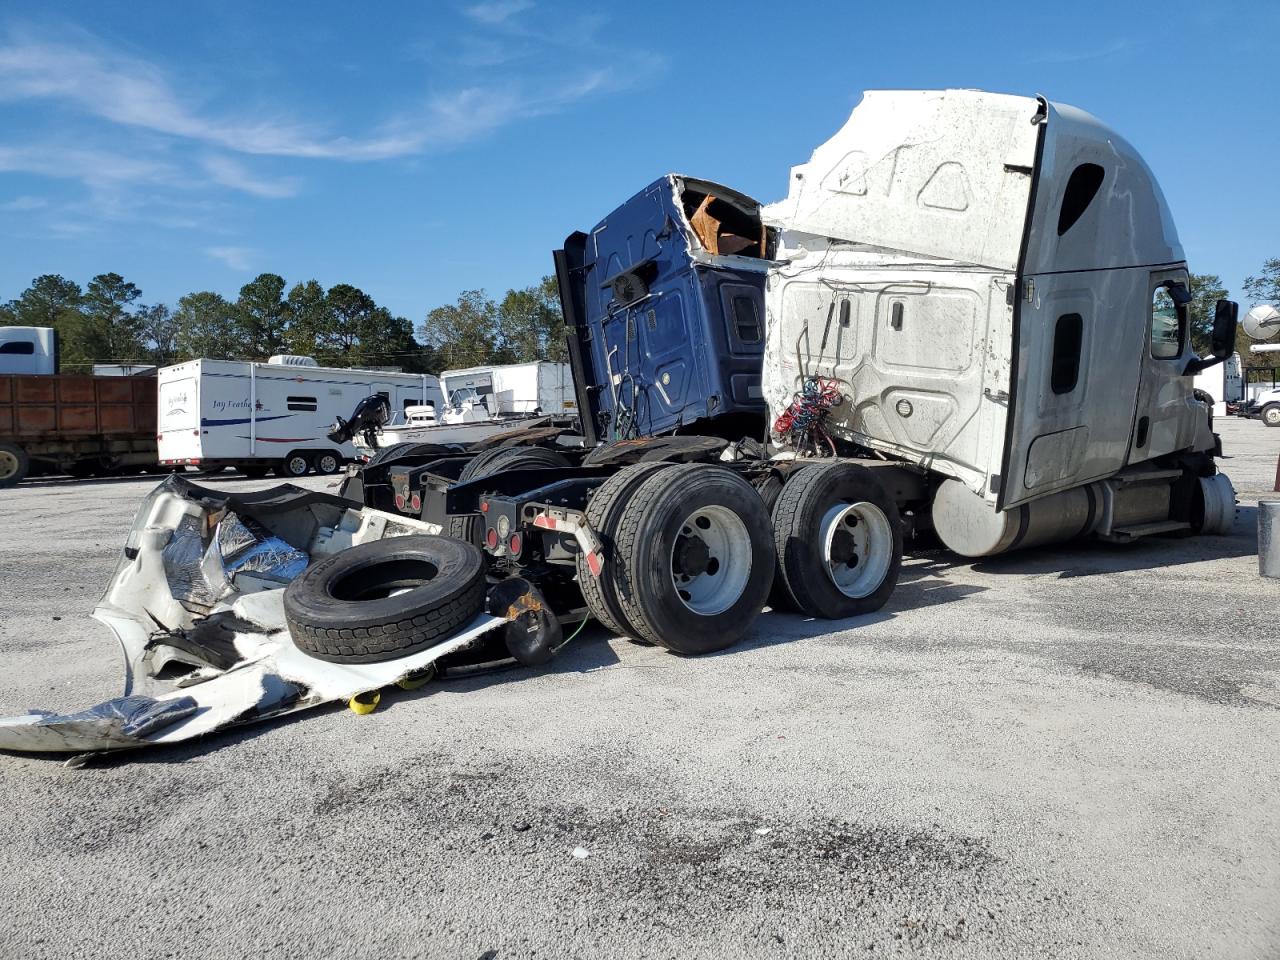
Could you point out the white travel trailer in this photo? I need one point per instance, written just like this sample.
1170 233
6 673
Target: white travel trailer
259 416
995 287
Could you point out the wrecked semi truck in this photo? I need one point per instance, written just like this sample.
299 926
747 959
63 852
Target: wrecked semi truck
976 321
665 523
993 289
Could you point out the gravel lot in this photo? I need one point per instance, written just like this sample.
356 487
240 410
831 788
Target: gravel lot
1068 752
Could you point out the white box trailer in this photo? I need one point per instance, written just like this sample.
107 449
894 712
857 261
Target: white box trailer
1223 383
260 416
512 390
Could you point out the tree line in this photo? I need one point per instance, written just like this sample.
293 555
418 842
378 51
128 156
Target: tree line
106 321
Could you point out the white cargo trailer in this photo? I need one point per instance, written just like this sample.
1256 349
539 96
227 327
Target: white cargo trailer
509 390
260 416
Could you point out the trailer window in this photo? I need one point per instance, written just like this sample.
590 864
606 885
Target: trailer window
24 347
1067 337
303 404
1168 320
1082 187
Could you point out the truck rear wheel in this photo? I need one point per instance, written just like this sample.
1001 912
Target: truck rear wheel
385 599
839 541
1271 415
603 512
694 558
14 464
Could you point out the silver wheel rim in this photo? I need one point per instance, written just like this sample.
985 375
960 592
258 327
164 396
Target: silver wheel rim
8 464
1272 416
297 466
711 560
328 463
857 547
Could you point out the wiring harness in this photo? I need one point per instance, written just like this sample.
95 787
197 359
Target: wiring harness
800 425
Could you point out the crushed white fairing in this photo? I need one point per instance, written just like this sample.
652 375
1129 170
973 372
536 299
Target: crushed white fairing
170 633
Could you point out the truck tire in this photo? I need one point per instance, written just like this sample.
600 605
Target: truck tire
14 464
1270 415
409 448
838 539
348 608
327 463
694 558
770 489
467 526
296 464
603 511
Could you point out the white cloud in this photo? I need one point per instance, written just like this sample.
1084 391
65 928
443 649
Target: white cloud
497 11
94 167
135 93
231 173
237 258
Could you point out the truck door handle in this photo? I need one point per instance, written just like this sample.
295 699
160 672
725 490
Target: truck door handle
895 315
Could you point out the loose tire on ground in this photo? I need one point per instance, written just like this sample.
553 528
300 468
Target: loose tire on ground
695 558
348 608
838 539
603 512
467 526
14 464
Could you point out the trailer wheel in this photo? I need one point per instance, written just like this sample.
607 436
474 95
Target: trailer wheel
694 558
603 512
14 464
838 539
296 464
1271 415
385 599
327 463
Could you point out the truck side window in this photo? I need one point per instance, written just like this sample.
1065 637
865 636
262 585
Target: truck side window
24 347
1067 338
305 404
1082 187
1168 324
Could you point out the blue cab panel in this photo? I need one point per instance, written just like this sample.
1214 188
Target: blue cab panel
664 304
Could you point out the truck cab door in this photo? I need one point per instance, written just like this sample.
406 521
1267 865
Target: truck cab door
1166 413
1075 381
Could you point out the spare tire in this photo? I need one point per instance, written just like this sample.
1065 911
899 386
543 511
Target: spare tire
385 599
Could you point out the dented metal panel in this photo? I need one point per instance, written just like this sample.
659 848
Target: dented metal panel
943 174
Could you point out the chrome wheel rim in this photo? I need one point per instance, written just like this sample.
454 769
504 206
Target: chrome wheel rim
328 463
8 464
857 547
710 560
297 466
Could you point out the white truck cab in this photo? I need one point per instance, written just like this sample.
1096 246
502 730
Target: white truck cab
997 288
25 350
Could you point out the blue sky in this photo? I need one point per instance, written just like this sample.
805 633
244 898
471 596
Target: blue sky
420 149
